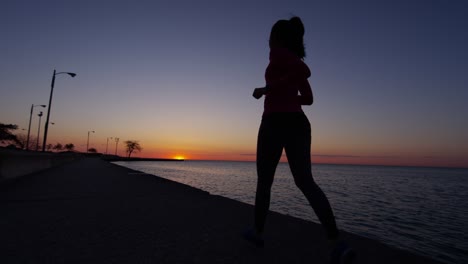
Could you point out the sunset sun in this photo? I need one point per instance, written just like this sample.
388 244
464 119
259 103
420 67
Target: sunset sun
179 157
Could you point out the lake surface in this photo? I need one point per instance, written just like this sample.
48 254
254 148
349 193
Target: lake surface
422 210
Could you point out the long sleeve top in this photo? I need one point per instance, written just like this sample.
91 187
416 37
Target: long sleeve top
286 78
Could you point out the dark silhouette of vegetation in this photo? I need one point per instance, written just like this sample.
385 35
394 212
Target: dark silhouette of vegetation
70 147
22 139
131 146
49 147
92 150
6 135
58 147
38 147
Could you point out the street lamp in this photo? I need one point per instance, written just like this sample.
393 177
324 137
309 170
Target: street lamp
87 144
116 143
38 130
50 105
107 144
29 128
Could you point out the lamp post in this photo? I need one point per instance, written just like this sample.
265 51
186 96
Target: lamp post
116 143
29 128
107 144
87 144
50 105
38 130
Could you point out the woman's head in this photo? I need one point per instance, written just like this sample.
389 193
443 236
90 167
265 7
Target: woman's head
289 34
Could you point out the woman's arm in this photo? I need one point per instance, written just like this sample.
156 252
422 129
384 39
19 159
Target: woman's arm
294 74
259 92
306 97
291 74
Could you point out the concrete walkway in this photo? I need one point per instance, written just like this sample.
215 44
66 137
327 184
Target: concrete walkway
92 211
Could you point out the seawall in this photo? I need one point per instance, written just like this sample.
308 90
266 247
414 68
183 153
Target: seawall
16 163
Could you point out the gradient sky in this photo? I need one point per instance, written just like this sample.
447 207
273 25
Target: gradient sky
389 77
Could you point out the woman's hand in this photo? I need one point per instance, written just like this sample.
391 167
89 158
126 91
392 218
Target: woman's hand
259 92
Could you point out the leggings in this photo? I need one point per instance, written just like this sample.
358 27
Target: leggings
292 132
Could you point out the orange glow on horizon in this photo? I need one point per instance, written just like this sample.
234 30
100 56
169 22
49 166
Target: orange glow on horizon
188 150
369 159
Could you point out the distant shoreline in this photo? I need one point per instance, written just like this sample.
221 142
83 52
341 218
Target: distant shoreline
115 159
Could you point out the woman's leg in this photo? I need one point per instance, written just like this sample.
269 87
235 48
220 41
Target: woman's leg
298 152
269 150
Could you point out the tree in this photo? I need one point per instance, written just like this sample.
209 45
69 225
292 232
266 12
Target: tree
22 139
92 150
70 147
6 136
58 147
20 142
131 146
49 147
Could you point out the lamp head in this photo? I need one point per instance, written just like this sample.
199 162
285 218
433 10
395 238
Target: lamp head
71 74
43 105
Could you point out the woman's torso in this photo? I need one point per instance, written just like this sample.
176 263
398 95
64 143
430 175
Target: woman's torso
282 74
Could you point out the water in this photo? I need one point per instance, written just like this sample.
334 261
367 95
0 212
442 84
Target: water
422 210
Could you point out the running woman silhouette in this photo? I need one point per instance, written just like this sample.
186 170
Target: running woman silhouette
285 126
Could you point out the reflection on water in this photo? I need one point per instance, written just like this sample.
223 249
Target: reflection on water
423 210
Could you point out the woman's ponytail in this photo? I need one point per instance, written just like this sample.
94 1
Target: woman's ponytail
297 36
296 26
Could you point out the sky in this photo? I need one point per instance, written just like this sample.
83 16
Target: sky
389 77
